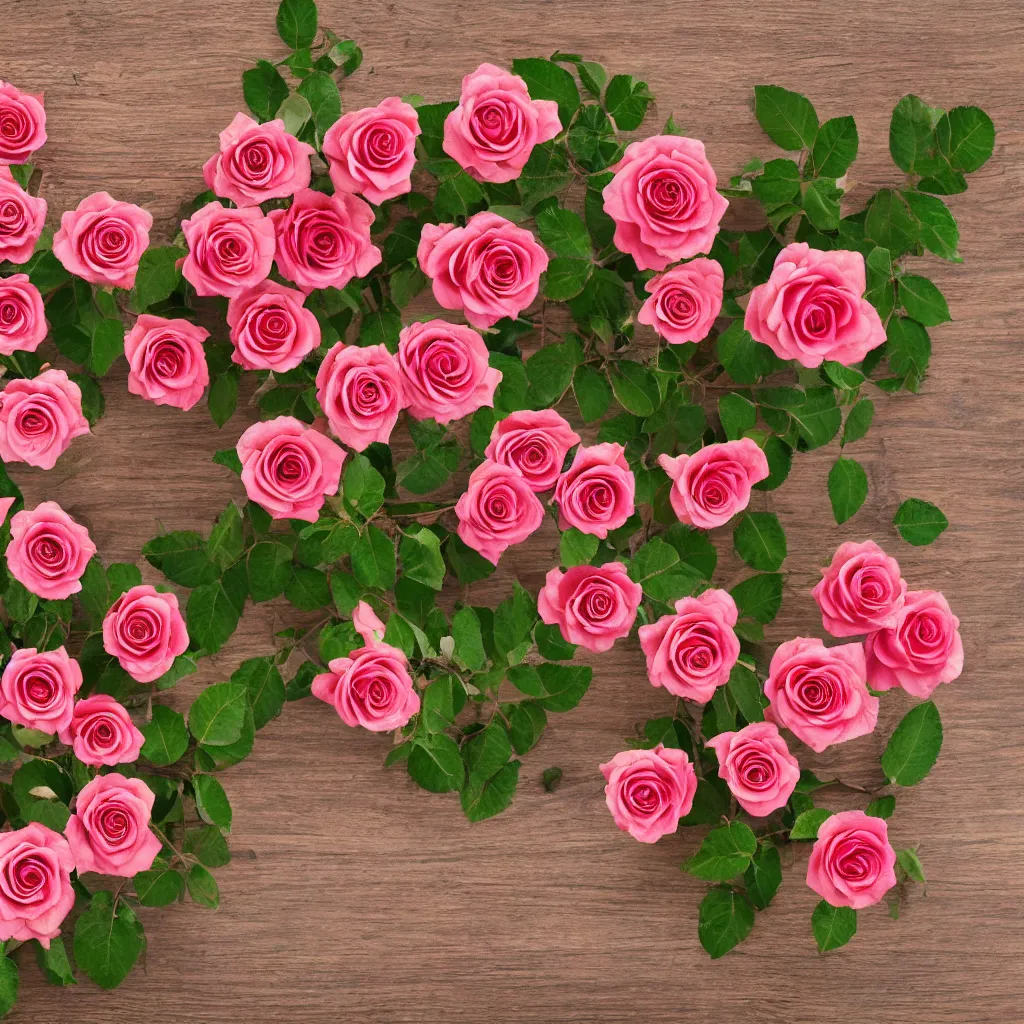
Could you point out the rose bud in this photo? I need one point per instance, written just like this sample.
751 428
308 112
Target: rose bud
852 863
39 418
592 605
102 732
648 791
685 301
229 251
596 493
167 360
757 767
361 393
48 551
144 630
497 509
861 590
36 865
37 690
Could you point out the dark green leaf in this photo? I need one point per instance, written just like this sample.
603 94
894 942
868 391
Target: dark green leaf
218 713
166 736
764 876
760 541
835 147
724 853
545 80
759 596
108 940
296 22
788 118
627 101
919 522
832 926
725 919
807 824
922 300
914 747
847 488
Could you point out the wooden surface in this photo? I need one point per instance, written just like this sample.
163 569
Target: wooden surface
355 897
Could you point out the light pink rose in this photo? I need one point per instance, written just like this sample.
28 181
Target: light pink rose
812 307
102 732
257 162
861 590
37 690
360 391
685 301
270 328
712 485
367 624
5 507
22 217
648 791
596 493
921 650
324 241
288 468
48 551
229 251
535 443
39 418
852 863
103 240
757 767
167 360
144 630
692 652
489 269
109 832
497 509
445 374
493 130
23 323
592 605
22 124
372 151
820 693
36 865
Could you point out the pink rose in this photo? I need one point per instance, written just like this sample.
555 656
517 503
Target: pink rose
257 162
361 393
493 130
22 124
5 507
103 240
22 316
367 623
324 241
102 732
372 151
37 690
595 494
692 652
39 417
757 767
685 301
36 865
445 374
922 649
648 791
229 251
592 605
811 308
712 485
497 509
535 443
168 364
489 269
48 551
270 328
21 218
852 863
109 832
861 590
288 468
820 693
144 630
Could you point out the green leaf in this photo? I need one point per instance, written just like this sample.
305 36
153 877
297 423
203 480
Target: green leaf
821 204
890 223
807 824
158 886
847 488
228 457
8 985
635 387
881 291
550 371
832 926
883 807
526 722
922 300
268 569
724 853
563 232
321 92
966 137
858 421
296 22
744 359
738 415
107 344
764 876
181 556
420 552
911 864
493 796
593 392
217 715
458 195
939 231
227 538
264 90
725 919
363 487
919 522
373 559
108 940
469 644
911 134
202 887
627 100
435 763
212 802
266 694
307 588
564 686
54 963
443 699
759 596
551 644
514 619
209 845
909 348
835 147
566 277
222 398
485 753
788 118
914 747
760 541
577 548
166 736
745 690
213 610
546 172
157 277
545 80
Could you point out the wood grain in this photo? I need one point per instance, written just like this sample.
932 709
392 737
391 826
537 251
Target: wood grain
354 897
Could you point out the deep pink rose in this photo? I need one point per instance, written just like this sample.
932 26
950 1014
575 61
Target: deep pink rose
22 124
648 791
103 240
37 690
270 328
372 151
257 162
535 443
692 652
367 624
36 895
812 307
489 269
289 468
167 360
21 218
497 509
102 732
39 418
324 241
360 391
820 693
852 863
22 315
5 507
592 605
445 373
861 590
596 493
712 485
921 650
229 251
48 551
493 130
685 301
144 630
757 767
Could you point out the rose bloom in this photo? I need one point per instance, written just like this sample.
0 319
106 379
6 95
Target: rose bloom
103 240
861 590
922 649
167 361
270 328
493 130
21 219
102 732
36 895
39 418
372 151
592 605
648 791
22 315
852 863
445 373
144 630
812 307
497 509
257 162
535 443
288 468
229 251
48 551
361 393
22 124
37 690
109 832
757 767
685 301
820 693
489 269
712 485
324 241
596 493
692 652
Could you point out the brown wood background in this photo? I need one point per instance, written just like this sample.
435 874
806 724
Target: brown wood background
355 897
